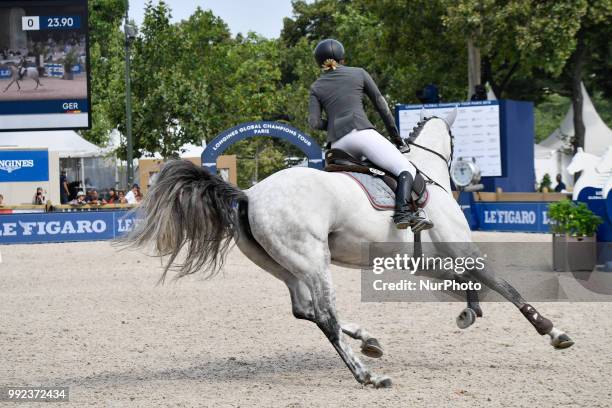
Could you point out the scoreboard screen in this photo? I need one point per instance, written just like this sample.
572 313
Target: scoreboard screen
44 65
476 130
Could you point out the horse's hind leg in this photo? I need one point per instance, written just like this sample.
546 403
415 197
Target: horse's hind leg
302 307
369 345
301 300
312 268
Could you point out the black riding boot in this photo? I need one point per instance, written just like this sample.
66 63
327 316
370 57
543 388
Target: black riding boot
405 216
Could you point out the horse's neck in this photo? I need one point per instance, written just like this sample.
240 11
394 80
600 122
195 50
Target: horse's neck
431 165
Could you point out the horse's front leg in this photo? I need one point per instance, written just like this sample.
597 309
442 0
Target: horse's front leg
472 302
543 326
9 85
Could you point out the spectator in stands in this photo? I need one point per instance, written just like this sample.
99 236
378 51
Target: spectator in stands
112 197
39 197
1 200
64 190
131 196
93 198
79 200
560 184
121 196
480 93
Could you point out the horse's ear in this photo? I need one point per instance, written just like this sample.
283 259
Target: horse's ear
424 115
450 118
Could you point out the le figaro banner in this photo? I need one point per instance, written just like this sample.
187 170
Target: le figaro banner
24 165
62 227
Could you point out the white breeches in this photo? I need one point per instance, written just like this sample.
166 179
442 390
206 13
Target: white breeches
377 149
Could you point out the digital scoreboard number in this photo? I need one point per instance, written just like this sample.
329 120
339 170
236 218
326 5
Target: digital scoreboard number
33 23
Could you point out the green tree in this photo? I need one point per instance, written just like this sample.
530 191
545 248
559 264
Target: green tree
106 66
592 45
516 37
165 111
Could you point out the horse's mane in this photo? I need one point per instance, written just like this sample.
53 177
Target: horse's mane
416 130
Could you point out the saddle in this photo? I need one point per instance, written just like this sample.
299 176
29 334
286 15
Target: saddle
337 160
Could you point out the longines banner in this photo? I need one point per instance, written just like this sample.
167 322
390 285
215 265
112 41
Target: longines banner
24 165
61 227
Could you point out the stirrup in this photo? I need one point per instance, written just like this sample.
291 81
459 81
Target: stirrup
416 220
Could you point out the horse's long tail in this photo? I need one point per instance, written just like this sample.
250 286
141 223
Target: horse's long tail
187 207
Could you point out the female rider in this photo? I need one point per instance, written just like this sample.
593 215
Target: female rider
339 91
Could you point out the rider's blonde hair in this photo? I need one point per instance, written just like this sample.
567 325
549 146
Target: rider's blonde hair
329 63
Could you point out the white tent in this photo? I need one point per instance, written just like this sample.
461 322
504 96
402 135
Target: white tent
186 151
66 142
553 154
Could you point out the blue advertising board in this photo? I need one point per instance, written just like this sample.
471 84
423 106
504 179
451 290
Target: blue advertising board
609 206
62 227
512 216
24 165
5 72
594 199
57 70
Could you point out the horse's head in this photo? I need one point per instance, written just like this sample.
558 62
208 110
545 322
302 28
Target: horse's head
433 134
605 164
582 161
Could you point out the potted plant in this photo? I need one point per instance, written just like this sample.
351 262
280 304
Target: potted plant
574 243
546 183
70 60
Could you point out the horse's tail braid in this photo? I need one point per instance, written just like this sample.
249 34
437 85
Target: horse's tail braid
187 207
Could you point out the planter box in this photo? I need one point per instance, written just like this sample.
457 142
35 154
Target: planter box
574 253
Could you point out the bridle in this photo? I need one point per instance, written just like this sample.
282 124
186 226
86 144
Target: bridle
415 133
417 130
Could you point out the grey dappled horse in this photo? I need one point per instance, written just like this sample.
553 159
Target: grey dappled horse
297 222
22 71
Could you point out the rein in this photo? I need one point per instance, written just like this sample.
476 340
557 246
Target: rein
415 133
430 151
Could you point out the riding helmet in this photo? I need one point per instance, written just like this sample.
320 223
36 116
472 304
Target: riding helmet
329 49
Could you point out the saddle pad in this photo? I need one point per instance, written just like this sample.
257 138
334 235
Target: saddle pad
380 195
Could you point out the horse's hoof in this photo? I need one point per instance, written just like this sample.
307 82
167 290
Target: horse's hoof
477 309
561 341
372 348
466 318
382 382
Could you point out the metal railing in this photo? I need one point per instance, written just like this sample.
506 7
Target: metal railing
50 207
